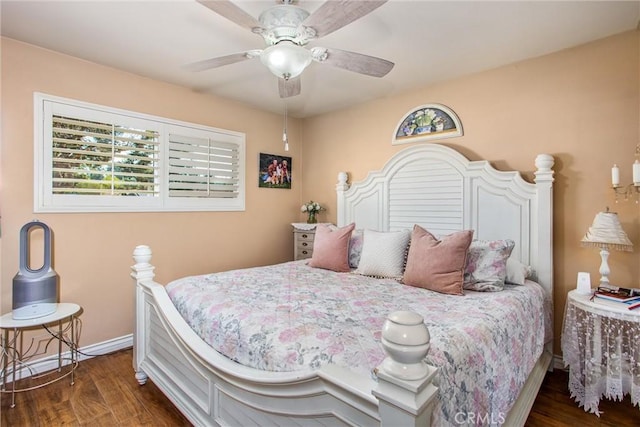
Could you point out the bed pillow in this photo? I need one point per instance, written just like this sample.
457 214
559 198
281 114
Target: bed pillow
486 267
517 272
383 253
437 265
331 248
355 248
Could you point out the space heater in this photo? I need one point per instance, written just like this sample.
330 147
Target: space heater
35 292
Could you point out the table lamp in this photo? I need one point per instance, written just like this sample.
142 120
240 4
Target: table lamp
606 233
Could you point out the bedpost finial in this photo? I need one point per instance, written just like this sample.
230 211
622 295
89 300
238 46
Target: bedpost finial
342 177
405 340
142 254
544 162
544 174
342 181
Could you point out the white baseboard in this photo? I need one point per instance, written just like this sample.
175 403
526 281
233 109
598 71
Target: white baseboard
49 363
558 363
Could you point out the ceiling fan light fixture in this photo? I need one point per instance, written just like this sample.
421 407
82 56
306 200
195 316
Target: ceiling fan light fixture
286 59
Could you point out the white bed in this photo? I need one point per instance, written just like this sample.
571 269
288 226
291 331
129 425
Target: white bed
430 185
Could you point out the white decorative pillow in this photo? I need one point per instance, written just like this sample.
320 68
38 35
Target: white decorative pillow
517 272
486 267
383 253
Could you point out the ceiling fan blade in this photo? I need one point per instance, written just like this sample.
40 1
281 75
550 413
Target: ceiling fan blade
208 64
232 12
356 62
333 15
289 88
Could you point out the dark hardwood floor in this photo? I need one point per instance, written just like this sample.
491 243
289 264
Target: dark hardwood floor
106 394
554 407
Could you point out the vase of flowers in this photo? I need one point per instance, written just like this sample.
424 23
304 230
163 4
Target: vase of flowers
311 208
426 121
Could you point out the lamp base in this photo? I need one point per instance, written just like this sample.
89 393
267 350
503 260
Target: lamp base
604 267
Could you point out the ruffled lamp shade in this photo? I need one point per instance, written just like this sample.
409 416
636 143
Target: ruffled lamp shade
606 233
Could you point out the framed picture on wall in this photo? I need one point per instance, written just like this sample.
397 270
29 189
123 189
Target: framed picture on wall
275 171
429 121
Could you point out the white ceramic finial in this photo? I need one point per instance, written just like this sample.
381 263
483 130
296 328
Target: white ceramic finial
405 340
544 162
142 254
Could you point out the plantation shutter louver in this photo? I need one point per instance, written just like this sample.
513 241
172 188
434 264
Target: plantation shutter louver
203 167
96 158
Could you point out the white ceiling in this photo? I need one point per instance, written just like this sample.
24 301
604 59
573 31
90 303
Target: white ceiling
429 41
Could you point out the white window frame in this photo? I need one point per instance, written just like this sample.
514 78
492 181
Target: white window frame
45 201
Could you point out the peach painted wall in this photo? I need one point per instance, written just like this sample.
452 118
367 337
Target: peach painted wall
581 105
93 251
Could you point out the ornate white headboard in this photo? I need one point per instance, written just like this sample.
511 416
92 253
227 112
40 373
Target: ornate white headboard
438 188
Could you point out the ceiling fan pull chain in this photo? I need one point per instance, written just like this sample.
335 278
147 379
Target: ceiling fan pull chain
285 138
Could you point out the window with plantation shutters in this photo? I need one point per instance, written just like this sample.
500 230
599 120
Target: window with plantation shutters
91 158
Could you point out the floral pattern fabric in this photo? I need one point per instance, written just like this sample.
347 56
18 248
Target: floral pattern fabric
291 317
355 248
486 268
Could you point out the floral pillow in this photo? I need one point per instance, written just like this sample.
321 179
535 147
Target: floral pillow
355 248
486 267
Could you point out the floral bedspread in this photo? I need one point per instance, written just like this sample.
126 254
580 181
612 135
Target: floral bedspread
291 317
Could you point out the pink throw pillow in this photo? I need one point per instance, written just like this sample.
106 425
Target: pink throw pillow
437 265
331 248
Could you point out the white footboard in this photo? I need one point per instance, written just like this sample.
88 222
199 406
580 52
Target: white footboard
210 389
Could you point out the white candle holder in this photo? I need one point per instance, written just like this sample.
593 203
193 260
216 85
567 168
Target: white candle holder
627 191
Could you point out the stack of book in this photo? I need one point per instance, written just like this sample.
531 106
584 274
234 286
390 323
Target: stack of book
617 297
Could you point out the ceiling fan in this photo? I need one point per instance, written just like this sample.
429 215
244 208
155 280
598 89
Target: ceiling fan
286 29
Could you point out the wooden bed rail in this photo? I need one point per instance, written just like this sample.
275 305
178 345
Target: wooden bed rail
210 389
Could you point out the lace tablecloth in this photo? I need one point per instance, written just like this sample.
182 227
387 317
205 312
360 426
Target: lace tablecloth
601 347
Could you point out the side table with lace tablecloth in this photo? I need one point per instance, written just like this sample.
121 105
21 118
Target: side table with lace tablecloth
601 347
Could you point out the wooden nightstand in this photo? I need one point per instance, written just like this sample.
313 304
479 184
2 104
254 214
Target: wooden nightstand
303 235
